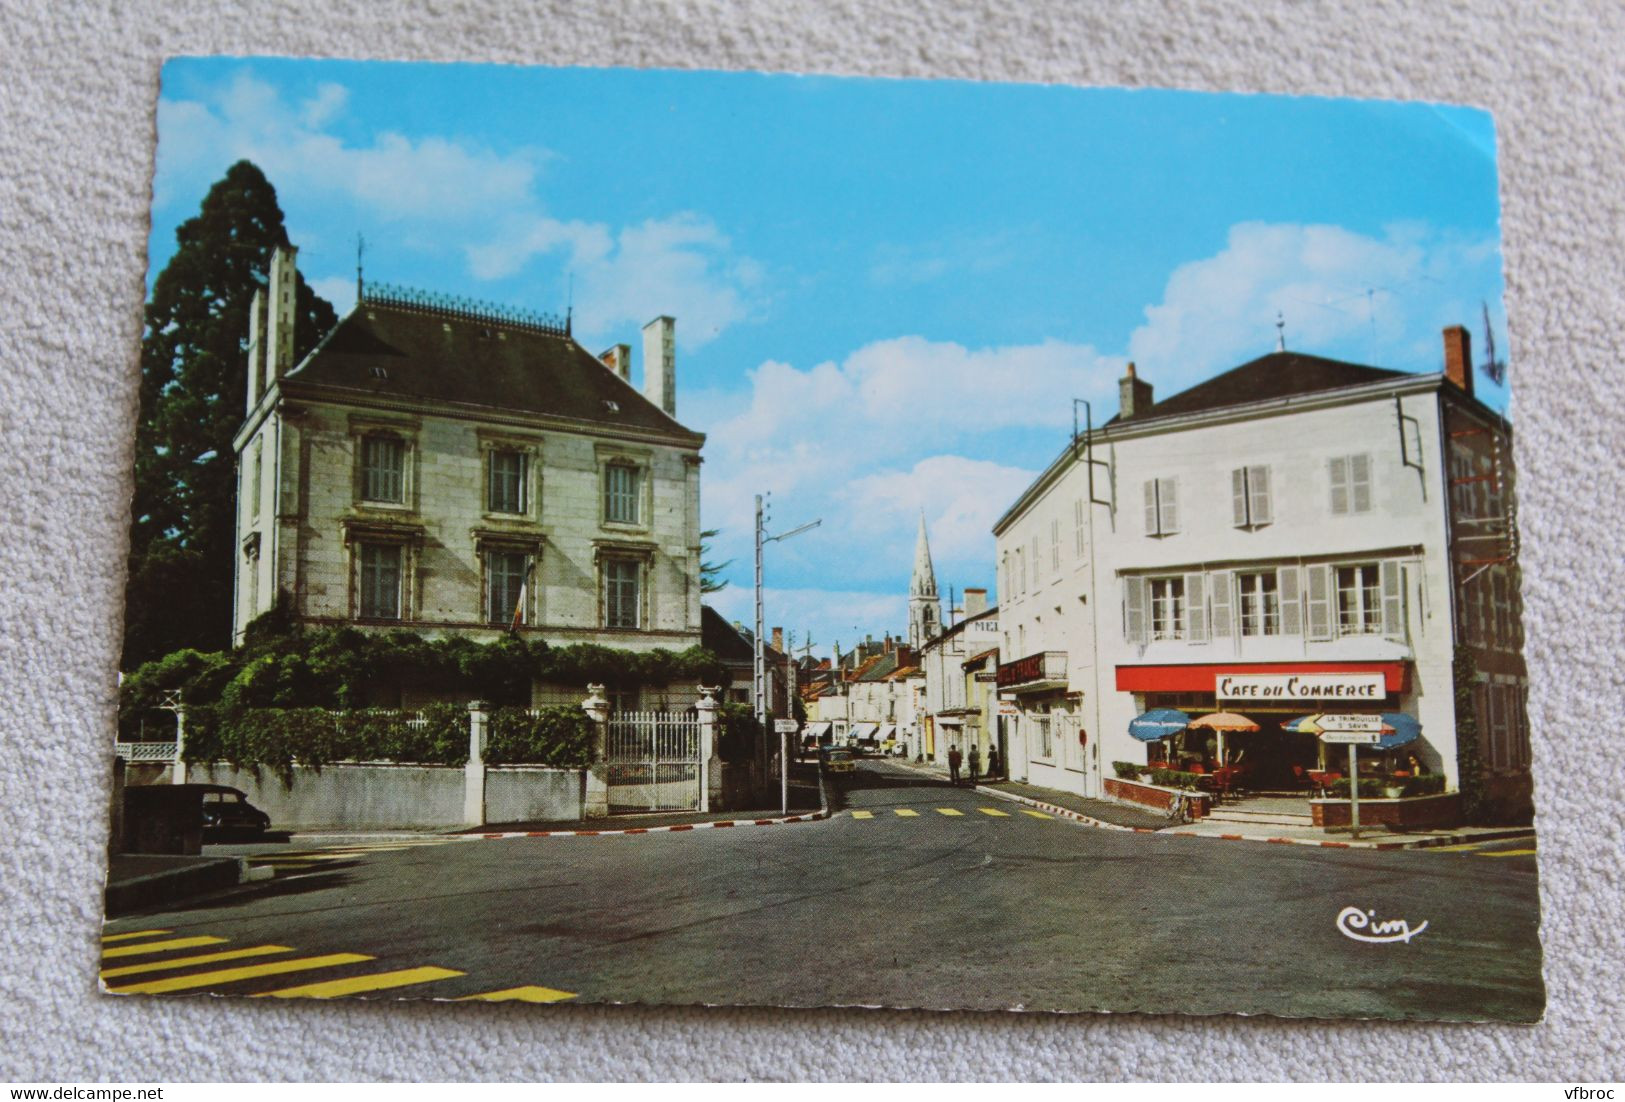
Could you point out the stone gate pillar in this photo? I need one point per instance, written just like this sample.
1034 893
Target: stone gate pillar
474 771
595 797
710 762
178 771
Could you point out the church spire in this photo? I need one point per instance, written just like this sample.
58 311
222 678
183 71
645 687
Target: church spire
924 611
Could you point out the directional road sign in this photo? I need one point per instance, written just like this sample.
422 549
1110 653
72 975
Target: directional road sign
785 726
1349 723
1351 738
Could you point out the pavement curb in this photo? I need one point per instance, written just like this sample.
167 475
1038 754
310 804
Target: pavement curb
674 828
1056 809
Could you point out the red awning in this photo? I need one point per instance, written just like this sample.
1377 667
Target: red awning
1200 679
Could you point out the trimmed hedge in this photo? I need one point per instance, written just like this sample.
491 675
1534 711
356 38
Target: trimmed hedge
738 732
276 738
1175 778
553 736
1127 770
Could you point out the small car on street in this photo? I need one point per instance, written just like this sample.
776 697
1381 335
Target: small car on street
227 813
839 761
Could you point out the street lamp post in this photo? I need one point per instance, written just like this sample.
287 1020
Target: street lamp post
760 671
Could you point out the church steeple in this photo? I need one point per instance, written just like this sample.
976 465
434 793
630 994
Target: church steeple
924 611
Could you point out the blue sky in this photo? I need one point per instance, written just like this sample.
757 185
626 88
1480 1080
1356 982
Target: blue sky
887 292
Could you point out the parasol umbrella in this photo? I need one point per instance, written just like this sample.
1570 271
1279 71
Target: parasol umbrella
1303 725
1220 722
1159 724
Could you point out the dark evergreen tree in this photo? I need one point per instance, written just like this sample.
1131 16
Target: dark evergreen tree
193 386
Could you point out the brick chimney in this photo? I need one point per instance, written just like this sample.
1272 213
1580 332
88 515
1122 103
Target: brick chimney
618 358
975 602
778 640
905 655
1458 357
1133 395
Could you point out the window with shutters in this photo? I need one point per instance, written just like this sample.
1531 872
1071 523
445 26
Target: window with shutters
1021 572
255 473
1350 477
1044 745
1359 600
1250 497
1161 507
505 588
1038 562
1055 545
1167 599
1259 604
505 482
1080 530
622 578
383 469
380 565
621 493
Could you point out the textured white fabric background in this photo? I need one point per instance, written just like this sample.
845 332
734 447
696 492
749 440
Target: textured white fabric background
76 153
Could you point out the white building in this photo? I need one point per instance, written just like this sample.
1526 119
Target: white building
1315 526
946 708
445 469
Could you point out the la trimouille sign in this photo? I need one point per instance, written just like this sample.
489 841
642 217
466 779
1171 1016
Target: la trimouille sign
1301 686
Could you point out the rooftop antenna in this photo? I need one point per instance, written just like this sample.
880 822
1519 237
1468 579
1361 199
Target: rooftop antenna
360 246
1494 368
570 304
1280 332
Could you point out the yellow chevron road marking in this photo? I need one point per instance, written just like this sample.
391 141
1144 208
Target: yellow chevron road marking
948 811
863 815
522 994
993 812
159 946
232 975
379 981
108 938
905 812
1034 814
187 962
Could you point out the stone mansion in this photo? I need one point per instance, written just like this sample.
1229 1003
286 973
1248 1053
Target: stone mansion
443 467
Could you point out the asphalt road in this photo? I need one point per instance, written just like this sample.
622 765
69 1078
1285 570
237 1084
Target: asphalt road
914 894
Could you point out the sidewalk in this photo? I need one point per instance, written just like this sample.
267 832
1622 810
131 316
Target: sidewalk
1070 805
137 881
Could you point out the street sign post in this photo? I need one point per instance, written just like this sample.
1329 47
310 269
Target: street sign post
785 726
1353 731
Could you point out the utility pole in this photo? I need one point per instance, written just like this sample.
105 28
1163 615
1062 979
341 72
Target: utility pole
761 651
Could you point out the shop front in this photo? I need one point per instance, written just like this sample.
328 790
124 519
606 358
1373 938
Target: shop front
1251 732
1048 723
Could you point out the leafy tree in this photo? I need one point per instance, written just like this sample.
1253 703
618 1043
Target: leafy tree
193 388
711 579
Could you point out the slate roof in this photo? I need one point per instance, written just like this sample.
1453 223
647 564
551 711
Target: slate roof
1277 375
446 360
725 641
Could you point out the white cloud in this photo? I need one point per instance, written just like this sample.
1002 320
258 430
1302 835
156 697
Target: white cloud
1380 300
336 290
325 105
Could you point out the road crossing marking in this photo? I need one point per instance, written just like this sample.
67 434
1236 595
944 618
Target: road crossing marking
863 815
948 811
160 946
108 939
355 985
187 962
997 814
906 813
1034 814
522 994
232 975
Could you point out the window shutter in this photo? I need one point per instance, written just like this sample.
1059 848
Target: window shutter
1134 610
1258 486
1151 507
1338 468
1168 503
1393 601
1320 602
1238 497
1223 581
1195 609
1360 483
1286 580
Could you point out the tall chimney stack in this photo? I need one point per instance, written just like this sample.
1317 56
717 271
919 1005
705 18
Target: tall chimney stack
279 313
1458 357
778 640
660 363
618 358
975 602
256 347
1133 395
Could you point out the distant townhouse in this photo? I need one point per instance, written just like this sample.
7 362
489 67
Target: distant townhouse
949 717
1293 536
451 469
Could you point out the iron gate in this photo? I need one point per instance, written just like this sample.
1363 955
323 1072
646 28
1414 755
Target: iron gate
653 762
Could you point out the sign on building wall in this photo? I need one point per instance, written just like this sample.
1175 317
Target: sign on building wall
1300 686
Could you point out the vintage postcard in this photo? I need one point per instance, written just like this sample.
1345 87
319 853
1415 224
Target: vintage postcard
701 538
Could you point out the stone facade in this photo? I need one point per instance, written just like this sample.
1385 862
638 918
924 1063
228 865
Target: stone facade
433 471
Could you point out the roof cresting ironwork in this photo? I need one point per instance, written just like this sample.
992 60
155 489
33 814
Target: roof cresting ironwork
412 300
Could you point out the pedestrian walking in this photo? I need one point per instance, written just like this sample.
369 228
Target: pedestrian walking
975 762
954 758
992 762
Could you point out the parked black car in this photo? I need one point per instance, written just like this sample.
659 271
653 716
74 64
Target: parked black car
227 812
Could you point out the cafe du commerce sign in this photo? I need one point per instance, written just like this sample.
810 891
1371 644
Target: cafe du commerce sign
1301 686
